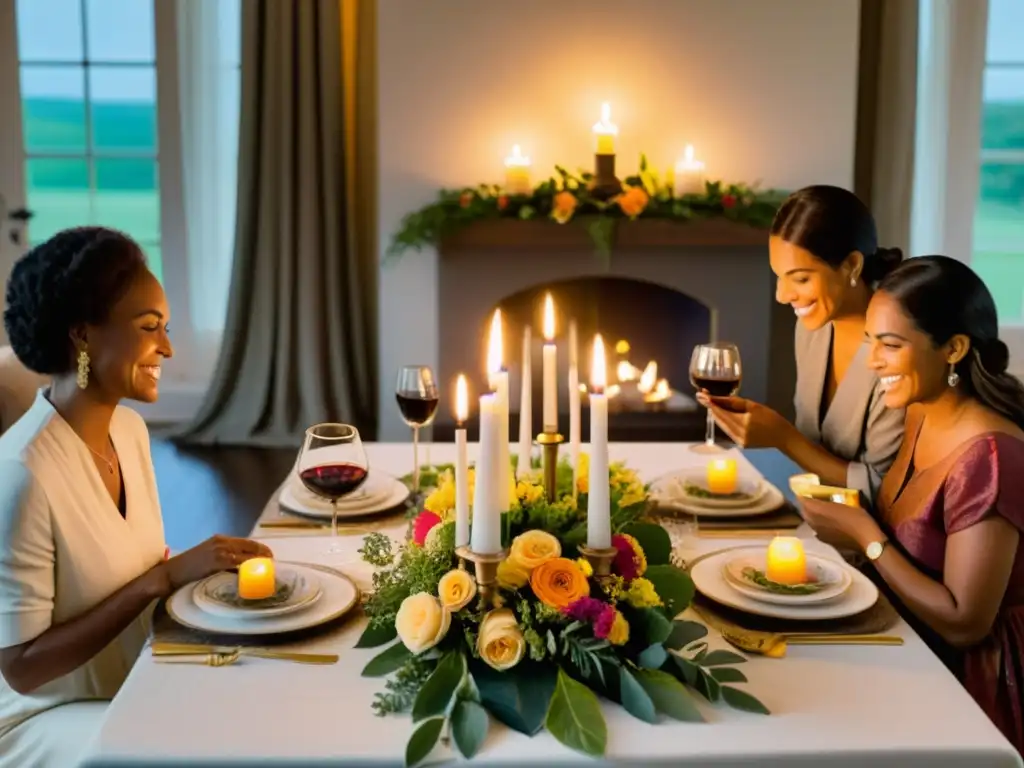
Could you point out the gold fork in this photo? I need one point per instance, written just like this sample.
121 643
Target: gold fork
209 659
186 649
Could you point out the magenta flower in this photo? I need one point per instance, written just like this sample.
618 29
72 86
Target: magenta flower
421 526
625 563
604 622
587 609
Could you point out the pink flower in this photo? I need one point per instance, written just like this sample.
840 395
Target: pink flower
593 611
628 563
604 622
728 201
421 526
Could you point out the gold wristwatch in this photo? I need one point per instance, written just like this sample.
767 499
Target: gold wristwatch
875 548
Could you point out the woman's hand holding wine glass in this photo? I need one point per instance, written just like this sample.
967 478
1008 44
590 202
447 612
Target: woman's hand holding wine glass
332 465
715 370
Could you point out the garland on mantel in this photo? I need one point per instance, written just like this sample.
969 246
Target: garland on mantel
567 196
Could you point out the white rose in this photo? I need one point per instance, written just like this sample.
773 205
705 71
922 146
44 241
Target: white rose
422 622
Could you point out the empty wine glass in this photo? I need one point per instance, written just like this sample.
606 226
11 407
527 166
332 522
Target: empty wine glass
333 464
416 392
715 369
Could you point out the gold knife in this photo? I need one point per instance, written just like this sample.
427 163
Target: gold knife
293 524
184 649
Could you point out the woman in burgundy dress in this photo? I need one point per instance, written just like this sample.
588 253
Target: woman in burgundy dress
951 508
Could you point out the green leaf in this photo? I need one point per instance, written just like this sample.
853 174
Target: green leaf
709 688
374 636
690 672
654 541
469 727
423 740
519 697
653 656
720 658
674 586
683 633
387 661
634 698
738 699
656 628
574 717
439 689
669 695
728 675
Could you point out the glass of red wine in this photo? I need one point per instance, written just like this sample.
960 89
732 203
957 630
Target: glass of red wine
332 465
716 370
416 392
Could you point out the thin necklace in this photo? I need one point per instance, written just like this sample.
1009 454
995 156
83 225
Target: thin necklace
104 459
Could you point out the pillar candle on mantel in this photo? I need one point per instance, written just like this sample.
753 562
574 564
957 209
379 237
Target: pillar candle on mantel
461 464
599 527
574 405
689 175
498 377
517 173
485 531
524 462
550 368
605 132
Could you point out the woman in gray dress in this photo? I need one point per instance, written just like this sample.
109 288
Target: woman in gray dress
824 252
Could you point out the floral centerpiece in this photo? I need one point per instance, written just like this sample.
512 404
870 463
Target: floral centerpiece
553 639
568 196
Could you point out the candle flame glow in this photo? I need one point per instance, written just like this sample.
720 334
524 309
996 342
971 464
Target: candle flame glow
516 158
598 374
688 154
605 125
461 399
494 350
549 318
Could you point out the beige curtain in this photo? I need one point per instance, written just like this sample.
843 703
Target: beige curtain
886 115
300 341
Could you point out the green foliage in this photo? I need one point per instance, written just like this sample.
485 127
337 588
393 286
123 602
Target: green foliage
376 550
402 689
519 697
417 569
458 208
469 727
438 692
654 541
387 661
423 740
634 697
376 634
670 697
574 717
675 587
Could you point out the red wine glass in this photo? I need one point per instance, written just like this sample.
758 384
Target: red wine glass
715 369
416 393
332 465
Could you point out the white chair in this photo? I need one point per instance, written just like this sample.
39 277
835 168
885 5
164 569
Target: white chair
18 387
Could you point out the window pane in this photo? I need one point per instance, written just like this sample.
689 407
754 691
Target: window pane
119 30
127 197
58 193
1002 109
49 30
153 258
53 108
1005 31
229 18
999 237
123 102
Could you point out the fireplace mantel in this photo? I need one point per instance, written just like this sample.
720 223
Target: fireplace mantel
537 234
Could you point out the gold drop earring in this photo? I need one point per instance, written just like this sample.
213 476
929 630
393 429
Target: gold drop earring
83 369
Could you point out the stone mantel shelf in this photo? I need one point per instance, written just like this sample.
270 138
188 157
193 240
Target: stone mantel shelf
514 234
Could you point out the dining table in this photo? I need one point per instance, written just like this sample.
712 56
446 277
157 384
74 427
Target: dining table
830 705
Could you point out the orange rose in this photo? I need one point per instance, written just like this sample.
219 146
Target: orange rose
563 206
633 200
559 583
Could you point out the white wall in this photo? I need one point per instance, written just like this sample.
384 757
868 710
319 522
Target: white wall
764 90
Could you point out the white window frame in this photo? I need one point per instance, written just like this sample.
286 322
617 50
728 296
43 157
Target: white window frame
948 155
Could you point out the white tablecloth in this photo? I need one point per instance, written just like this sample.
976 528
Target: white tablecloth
835 706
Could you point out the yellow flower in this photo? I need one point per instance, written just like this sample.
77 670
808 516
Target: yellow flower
559 583
511 576
613 586
633 495
563 206
619 633
528 492
641 594
422 622
500 643
442 499
583 474
532 548
585 566
456 589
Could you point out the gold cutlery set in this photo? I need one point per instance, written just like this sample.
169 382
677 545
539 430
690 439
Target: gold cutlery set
222 655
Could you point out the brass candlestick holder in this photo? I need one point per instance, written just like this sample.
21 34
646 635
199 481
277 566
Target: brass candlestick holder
600 559
550 441
485 567
604 185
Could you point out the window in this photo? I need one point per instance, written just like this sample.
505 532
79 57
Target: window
89 117
998 240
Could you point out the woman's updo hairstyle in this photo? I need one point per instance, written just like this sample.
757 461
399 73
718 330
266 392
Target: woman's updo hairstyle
72 279
944 297
831 223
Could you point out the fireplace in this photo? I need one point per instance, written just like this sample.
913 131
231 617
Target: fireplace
665 288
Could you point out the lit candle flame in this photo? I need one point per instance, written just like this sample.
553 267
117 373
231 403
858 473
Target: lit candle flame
606 125
549 318
516 158
494 350
688 154
461 399
598 374
648 378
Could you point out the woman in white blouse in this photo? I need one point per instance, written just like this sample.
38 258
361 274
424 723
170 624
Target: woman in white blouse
82 552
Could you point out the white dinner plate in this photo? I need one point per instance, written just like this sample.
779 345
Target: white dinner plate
668 493
302 502
298 589
339 596
683 485
834 578
709 578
